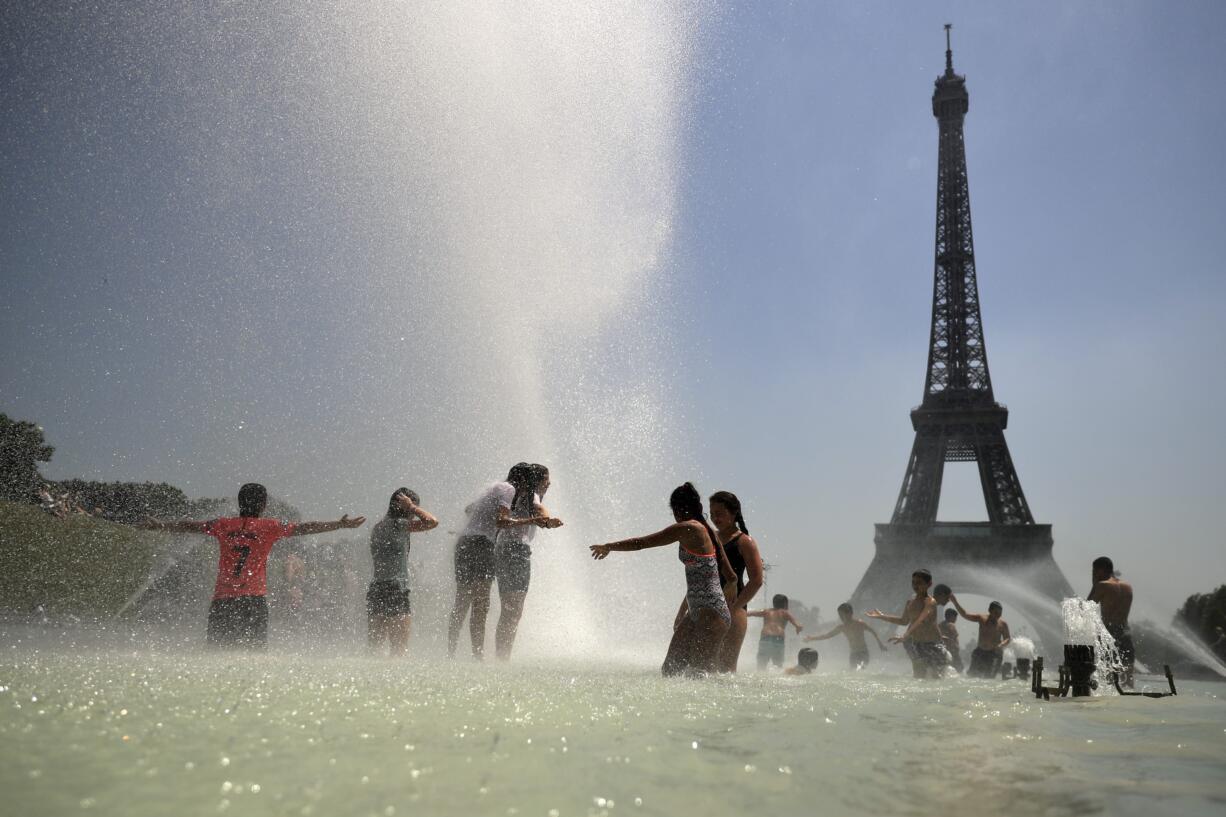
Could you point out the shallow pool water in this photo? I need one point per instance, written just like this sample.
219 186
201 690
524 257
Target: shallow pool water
109 731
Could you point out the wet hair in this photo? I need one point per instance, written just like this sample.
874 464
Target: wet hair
394 509
686 503
997 605
951 615
806 659
252 498
941 590
924 574
526 478
780 601
845 608
1104 563
729 501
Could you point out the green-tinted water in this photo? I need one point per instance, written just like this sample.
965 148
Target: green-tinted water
109 732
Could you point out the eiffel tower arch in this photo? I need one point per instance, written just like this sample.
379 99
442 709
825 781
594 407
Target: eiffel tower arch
1009 557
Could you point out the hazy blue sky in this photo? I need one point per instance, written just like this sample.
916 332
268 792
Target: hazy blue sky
177 238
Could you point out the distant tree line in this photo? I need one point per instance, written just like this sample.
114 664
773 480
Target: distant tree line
1204 614
23 447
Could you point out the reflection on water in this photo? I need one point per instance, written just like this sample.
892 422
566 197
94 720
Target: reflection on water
114 732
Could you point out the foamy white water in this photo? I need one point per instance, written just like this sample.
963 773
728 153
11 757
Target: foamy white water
135 733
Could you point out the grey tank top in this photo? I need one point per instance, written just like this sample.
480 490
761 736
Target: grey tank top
389 551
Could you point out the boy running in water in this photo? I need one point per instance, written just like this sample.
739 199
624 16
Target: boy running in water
921 639
853 629
993 638
774 629
238 616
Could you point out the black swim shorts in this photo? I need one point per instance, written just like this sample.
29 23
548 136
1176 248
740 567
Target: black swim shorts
239 622
390 599
983 663
513 566
474 559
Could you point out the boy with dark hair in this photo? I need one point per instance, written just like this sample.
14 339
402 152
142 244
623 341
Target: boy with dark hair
238 615
993 638
806 662
921 639
853 630
774 630
1115 599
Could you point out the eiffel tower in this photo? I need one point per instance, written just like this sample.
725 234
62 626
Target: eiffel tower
1009 557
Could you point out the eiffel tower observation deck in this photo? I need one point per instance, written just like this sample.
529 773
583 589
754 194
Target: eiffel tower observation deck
1009 557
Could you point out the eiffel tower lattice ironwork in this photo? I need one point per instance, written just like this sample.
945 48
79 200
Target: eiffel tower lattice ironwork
959 420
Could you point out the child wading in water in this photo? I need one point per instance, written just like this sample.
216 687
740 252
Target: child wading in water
703 617
238 616
774 631
388 611
921 639
806 662
853 629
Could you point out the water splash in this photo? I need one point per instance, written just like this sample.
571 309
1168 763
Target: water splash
1083 625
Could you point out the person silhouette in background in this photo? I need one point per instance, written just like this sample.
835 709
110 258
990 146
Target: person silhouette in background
388 609
1115 599
518 520
853 629
772 641
238 615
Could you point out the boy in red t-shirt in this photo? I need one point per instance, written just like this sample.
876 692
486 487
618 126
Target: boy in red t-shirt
238 615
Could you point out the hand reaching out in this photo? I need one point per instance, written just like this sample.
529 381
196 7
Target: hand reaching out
599 551
356 522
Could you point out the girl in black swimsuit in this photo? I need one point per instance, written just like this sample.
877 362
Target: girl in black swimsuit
744 558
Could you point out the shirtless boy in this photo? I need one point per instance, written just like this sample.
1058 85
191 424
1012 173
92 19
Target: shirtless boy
806 663
949 635
853 629
993 638
774 628
921 638
1115 598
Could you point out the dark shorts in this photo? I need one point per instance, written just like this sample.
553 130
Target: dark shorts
513 566
931 653
390 599
770 650
984 663
239 622
474 560
858 658
1123 642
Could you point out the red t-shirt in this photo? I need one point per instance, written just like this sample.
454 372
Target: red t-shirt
245 542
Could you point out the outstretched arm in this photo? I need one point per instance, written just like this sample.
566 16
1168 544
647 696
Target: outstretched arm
667 536
877 614
757 613
824 636
308 528
186 526
876 637
978 618
506 520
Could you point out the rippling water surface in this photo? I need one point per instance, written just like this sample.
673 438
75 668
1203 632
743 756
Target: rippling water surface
134 733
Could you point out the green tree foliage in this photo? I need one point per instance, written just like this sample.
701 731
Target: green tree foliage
22 447
127 502
1203 614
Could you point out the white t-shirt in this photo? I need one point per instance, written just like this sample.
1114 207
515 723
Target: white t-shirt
520 534
483 513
